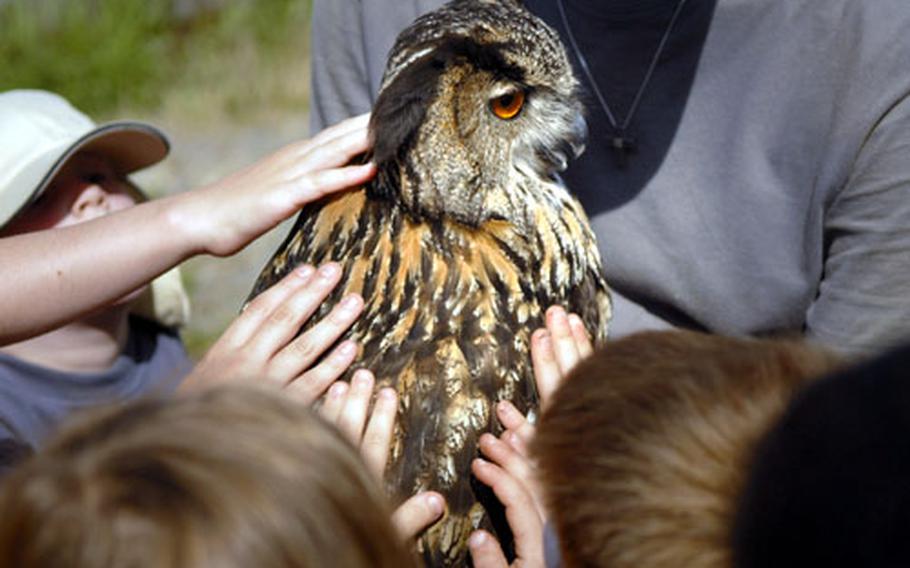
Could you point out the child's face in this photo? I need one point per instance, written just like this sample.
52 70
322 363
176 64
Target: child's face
85 188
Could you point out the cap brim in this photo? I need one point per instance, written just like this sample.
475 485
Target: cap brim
130 146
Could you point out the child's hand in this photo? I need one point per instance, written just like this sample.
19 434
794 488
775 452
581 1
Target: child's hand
504 476
347 406
554 353
225 216
511 450
556 350
261 344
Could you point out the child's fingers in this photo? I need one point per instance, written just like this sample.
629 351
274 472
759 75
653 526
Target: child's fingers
510 453
262 306
564 347
582 340
377 438
512 419
486 551
418 513
309 386
506 457
334 152
285 320
516 442
354 414
354 124
303 351
521 511
334 401
546 370
314 184
518 431
295 150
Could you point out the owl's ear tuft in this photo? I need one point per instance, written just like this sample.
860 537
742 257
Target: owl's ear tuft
402 107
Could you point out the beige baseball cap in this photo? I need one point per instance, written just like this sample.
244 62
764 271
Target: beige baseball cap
40 131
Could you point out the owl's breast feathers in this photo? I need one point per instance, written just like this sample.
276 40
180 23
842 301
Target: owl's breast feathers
448 314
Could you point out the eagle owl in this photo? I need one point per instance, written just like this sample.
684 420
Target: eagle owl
461 242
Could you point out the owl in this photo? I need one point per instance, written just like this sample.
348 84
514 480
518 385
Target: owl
460 243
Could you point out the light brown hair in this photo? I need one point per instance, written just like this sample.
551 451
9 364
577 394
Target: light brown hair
231 477
644 451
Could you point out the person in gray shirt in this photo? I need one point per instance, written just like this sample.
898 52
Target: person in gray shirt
748 169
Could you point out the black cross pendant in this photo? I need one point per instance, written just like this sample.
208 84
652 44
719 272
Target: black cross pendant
622 147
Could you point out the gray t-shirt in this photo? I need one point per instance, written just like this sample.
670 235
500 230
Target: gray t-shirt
34 399
781 204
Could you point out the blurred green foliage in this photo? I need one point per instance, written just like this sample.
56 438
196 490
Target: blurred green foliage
105 55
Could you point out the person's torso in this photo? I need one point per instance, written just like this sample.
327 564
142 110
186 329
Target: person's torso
745 133
34 400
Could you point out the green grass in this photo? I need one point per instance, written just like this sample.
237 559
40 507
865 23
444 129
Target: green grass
110 55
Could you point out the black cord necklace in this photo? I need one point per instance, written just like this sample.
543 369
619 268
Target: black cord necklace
621 143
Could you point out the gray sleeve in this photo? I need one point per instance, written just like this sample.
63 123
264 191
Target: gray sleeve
863 303
339 79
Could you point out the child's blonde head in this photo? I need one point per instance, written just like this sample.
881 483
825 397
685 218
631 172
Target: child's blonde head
226 478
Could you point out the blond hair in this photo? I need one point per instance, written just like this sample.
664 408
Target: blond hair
645 450
227 478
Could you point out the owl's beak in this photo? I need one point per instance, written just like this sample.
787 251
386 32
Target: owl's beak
570 146
578 135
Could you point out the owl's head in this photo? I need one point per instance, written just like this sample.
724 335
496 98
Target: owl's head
477 104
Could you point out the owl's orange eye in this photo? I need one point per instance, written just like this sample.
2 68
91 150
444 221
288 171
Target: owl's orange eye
509 105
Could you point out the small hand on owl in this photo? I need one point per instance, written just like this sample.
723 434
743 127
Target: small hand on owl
555 351
347 407
262 345
225 216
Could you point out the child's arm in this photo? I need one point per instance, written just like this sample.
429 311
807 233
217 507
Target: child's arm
52 277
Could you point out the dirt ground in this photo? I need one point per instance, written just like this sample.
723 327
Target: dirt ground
199 155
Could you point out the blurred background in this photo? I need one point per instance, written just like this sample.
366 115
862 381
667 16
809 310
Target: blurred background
227 80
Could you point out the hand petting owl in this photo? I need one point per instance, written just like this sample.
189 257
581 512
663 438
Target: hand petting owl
460 243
